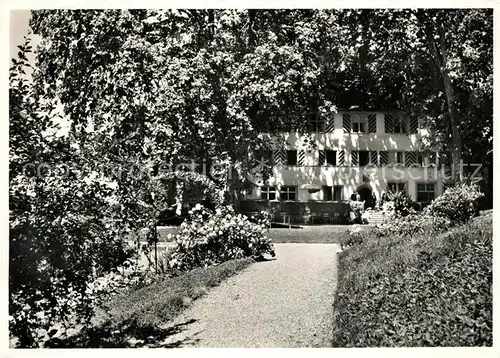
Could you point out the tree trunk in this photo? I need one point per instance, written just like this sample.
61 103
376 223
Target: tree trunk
179 196
454 123
232 189
434 29
235 189
451 99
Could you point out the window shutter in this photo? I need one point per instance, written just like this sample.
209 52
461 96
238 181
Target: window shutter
389 123
354 158
372 123
341 158
384 158
410 158
330 125
374 157
279 156
413 124
301 157
346 122
322 157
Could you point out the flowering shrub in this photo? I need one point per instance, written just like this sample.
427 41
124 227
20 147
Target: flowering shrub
401 203
412 224
207 238
365 216
389 208
458 204
78 307
356 210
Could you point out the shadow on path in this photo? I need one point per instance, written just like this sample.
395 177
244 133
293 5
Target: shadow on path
125 335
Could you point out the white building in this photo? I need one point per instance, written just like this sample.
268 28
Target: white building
369 153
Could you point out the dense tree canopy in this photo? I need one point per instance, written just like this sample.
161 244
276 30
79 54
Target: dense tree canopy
141 88
194 83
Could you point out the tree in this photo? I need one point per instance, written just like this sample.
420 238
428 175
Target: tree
187 84
144 89
63 229
435 63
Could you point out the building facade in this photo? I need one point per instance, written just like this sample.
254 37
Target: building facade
353 155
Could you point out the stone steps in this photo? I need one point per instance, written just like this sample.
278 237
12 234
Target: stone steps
376 218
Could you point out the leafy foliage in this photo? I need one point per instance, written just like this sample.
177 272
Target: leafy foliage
143 87
412 224
207 238
402 203
196 84
457 204
353 236
64 232
356 210
433 290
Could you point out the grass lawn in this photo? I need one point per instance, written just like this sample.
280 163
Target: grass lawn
429 290
136 318
307 234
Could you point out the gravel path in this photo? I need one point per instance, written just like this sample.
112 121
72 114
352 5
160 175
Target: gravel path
286 302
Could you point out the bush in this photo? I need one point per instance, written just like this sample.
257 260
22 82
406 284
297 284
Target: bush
401 203
354 236
433 290
412 224
458 204
208 238
356 211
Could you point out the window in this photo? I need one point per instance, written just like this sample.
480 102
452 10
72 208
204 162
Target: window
337 192
396 158
332 193
331 157
421 159
316 124
400 126
395 124
364 158
359 124
327 157
396 187
268 193
425 192
360 158
288 193
327 193
291 157
468 171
